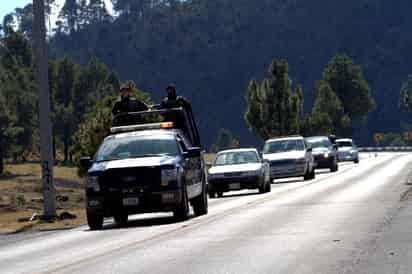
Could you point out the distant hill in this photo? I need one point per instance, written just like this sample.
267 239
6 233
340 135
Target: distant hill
212 48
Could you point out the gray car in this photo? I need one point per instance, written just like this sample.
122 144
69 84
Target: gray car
347 150
289 157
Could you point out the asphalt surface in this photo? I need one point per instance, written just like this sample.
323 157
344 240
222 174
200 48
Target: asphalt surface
352 221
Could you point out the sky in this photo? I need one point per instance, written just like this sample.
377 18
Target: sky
7 6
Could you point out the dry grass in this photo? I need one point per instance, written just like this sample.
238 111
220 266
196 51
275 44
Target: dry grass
209 158
21 194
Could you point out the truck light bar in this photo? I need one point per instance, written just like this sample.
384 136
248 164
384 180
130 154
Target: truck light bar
165 125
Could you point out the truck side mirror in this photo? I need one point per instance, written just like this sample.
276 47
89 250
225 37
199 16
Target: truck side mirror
86 162
193 152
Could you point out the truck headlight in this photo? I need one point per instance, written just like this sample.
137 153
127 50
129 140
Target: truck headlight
92 182
168 175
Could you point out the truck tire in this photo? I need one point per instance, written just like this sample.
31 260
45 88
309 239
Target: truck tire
200 204
95 220
181 213
121 218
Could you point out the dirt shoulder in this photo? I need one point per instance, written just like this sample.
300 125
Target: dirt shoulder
21 198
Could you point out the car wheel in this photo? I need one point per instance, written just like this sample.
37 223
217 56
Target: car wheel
212 194
312 174
268 187
95 220
182 212
220 194
200 205
262 188
121 218
306 177
334 168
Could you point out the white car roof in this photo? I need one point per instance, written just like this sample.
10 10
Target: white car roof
238 150
344 140
285 138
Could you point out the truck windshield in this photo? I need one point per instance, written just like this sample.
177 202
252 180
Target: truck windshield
236 158
283 146
136 147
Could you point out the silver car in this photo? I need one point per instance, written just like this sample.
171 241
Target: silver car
238 169
347 150
289 157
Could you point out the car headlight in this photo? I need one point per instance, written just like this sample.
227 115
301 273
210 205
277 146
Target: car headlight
92 182
168 175
326 155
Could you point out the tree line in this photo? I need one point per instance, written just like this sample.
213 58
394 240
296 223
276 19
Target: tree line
81 100
212 48
275 107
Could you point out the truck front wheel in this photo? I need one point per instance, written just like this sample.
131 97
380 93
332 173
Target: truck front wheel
95 220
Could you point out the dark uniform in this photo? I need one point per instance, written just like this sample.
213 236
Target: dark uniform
129 104
174 101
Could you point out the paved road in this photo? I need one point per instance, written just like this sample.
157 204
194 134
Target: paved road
349 222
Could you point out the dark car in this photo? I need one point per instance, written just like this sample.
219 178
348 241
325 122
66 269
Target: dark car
324 152
142 169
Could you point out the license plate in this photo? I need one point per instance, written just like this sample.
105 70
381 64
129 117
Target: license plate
234 186
130 201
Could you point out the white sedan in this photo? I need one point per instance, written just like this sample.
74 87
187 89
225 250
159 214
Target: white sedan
238 169
347 150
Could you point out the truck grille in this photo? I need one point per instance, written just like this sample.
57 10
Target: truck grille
144 178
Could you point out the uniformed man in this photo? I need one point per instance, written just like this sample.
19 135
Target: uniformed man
174 101
128 103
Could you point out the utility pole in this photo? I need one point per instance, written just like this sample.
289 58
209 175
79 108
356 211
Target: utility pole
42 79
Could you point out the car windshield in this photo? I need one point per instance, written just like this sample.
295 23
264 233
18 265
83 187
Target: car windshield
344 144
135 147
283 146
319 143
236 158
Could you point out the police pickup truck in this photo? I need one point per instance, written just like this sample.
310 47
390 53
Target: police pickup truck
145 168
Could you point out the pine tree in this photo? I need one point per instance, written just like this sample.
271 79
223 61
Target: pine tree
347 81
273 109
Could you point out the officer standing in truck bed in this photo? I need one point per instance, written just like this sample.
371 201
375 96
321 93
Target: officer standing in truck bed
128 103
